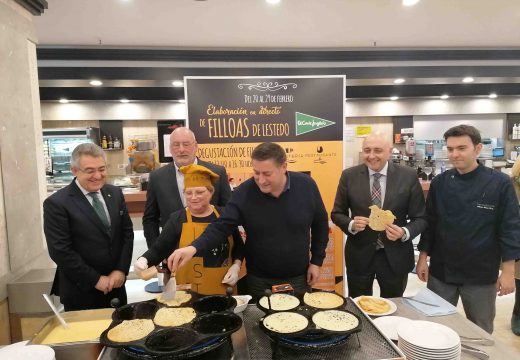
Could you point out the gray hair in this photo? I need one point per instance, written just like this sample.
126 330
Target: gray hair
86 149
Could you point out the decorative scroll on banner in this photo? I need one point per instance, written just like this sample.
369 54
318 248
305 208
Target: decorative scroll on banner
230 116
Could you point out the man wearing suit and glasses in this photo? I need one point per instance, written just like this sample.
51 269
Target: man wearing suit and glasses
89 235
387 256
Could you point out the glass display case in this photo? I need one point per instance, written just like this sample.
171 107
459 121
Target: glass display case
58 147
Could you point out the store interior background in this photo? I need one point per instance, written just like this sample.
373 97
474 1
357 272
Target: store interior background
137 49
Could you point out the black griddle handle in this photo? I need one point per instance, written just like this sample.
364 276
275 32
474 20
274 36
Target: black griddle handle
268 294
115 303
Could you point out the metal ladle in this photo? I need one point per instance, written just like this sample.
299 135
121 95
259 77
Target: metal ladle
55 311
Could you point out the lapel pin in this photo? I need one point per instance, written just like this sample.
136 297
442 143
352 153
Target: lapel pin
109 195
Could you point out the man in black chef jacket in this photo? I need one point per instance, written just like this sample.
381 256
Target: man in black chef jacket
473 226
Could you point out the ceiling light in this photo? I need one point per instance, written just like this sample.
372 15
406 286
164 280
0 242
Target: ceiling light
124 101
272 2
178 83
399 81
492 96
394 98
96 83
445 96
64 101
468 79
410 2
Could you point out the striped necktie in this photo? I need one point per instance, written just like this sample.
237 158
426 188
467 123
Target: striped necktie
98 208
376 200
376 190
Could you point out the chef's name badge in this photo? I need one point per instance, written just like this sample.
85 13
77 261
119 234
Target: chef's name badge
485 206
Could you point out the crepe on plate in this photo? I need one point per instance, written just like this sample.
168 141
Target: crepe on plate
280 302
174 316
373 305
379 218
323 300
181 297
285 322
131 330
335 320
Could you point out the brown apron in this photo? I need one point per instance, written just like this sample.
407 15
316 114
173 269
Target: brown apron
203 280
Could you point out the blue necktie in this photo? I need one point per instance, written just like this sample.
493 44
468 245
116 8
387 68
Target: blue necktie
98 208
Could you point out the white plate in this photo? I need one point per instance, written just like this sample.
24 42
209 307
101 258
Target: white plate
393 306
388 325
17 351
412 353
429 335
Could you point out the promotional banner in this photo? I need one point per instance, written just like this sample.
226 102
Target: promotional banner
231 116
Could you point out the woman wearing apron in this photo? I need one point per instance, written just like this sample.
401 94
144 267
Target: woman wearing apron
205 274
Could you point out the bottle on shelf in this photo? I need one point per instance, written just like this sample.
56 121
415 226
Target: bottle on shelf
104 143
117 143
110 142
517 136
513 132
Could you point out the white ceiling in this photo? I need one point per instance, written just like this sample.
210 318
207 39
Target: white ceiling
290 24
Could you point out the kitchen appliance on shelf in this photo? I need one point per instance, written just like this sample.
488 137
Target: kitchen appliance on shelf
58 147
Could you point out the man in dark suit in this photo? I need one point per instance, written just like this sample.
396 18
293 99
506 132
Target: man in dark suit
166 185
89 235
387 256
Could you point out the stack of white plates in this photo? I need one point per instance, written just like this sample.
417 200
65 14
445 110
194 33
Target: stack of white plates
21 350
428 340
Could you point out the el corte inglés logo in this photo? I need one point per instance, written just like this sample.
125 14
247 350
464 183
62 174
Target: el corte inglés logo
307 123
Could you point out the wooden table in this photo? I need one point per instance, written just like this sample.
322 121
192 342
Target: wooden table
463 327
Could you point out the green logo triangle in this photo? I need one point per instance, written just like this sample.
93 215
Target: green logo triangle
307 123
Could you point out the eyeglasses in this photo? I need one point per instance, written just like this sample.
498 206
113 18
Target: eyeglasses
185 144
91 171
196 193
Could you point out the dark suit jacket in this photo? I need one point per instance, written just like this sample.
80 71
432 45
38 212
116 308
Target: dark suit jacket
163 199
403 196
83 248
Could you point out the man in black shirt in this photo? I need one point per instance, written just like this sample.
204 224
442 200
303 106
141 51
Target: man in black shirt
284 218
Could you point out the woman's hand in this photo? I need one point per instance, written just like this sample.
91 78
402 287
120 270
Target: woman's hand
231 277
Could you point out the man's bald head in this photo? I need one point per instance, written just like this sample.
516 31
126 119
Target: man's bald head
183 146
376 151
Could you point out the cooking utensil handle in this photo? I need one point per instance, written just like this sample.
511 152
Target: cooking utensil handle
475 352
481 341
55 311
